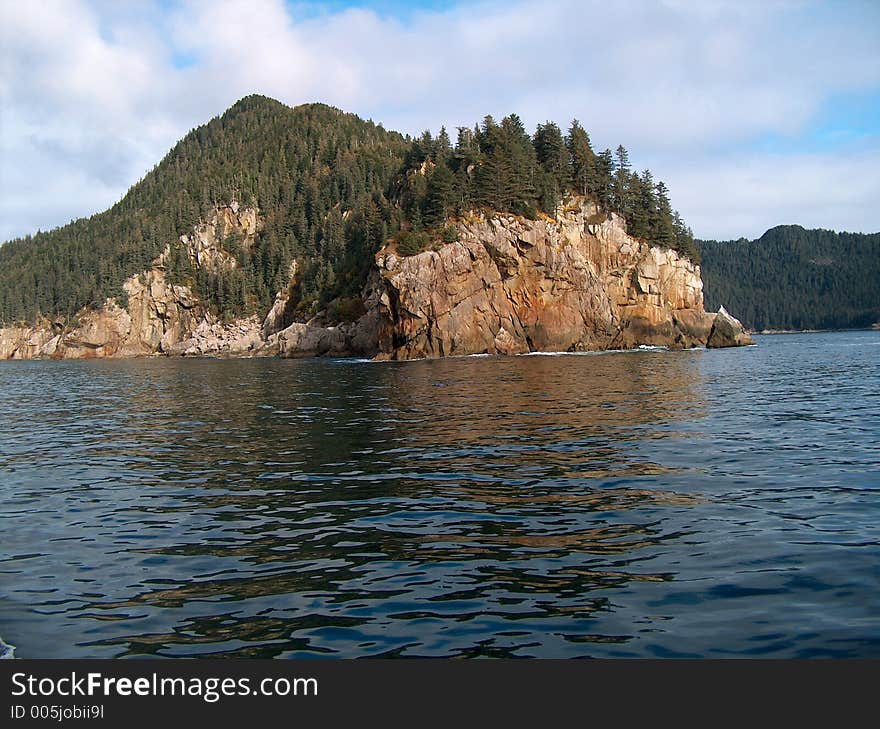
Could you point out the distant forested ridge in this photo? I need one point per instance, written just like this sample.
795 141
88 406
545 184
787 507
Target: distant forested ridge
793 278
330 188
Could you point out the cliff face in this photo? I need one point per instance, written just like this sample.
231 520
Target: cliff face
160 318
510 285
507 286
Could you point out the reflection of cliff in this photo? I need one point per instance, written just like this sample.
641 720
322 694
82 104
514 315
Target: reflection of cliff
289 502
525 402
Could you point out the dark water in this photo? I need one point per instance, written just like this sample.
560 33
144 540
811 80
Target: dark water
707 503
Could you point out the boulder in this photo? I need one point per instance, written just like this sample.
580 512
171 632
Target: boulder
303 340
727 332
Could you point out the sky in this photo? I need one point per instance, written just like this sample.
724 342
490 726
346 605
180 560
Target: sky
755 114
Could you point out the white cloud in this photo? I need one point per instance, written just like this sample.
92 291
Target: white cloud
91 97
744 195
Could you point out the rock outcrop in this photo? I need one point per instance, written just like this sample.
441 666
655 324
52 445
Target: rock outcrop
508 285
727 332
205 244
160 317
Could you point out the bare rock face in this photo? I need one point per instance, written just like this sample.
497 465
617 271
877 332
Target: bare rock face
205 244
305 340
727 332
275 319
239 338
27 342
511 285
161 317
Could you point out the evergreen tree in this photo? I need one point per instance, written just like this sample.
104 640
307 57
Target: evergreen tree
622 183
442 147
553 157
644 219
520 156
440 197
664 230
582 160
605 181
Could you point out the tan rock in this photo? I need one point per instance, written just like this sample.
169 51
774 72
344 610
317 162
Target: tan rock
511 285
507 286
303 340
727 332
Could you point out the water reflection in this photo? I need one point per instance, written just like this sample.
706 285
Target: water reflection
523 506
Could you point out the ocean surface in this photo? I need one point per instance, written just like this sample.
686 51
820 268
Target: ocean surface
717 503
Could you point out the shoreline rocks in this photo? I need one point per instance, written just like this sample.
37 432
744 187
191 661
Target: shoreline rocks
511 285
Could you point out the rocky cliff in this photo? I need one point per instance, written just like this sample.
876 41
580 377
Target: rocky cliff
507 286
510 285
160 317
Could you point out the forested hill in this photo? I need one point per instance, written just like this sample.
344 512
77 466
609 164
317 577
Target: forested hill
330 188
300 165
793 278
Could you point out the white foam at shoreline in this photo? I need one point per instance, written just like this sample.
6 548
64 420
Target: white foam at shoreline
6 650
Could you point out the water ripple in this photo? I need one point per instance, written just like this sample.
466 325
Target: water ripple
651 503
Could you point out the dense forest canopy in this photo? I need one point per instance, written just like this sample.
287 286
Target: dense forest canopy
331 189
792 278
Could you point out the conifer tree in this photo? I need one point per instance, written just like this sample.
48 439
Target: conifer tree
442 147
604 181
622 183
664 232
554 161
440 196
582 160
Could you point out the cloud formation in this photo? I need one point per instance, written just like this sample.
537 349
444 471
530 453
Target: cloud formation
93 94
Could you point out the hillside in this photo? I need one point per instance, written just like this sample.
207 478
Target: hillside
794 278
300 166
329 190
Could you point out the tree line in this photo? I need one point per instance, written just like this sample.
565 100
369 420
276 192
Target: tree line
499 166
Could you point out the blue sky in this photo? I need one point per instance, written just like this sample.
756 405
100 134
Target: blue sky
754 113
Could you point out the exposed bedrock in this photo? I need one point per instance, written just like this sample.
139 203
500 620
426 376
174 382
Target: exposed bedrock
511 285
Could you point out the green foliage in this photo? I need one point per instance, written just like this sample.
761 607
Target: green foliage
345 309
792 278
555 174
581 160
630 198
410 242
439 196
331 189
449 234
303 167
